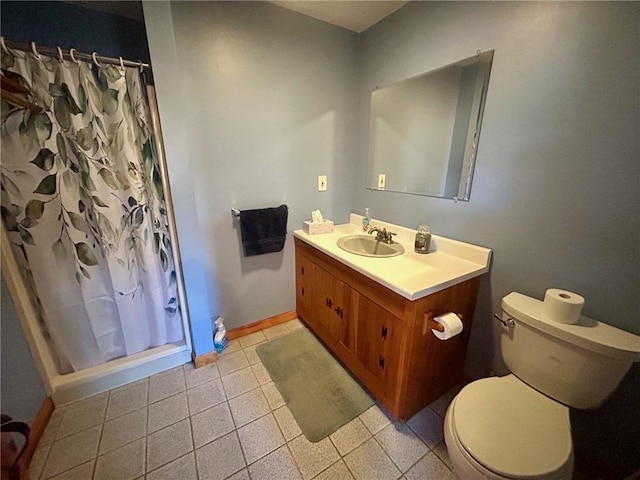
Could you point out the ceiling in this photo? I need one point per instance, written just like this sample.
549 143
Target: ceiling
355 15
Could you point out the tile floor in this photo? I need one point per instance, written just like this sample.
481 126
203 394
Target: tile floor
228 421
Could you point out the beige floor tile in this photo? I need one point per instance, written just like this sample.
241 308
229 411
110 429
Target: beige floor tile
123 430
239 382
72 451
168 444
127 399
211 424
259 438
275 332
167 412
337 471
38 460
369 462
232 362
220 459
183 468
375 419
197 376
166 384
350 436
252 339
401 444
312 458
81 472
287 423
441 451
261 373
124 463
241 475
83 414
441 404
252 356
430 467
428 425
294 325
52 427
205 396
248 407
278 464
273 396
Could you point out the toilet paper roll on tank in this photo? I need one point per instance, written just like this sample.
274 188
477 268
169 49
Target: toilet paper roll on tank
562 306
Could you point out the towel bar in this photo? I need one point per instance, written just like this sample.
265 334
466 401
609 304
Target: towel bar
235 212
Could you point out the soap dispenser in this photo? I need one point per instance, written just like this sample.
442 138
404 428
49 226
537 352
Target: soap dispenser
366 220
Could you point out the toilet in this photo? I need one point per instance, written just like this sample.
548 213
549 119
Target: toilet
518 426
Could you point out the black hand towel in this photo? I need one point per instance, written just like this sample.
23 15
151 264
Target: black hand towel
263 230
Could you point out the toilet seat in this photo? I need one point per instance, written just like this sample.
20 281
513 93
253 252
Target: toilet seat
511 429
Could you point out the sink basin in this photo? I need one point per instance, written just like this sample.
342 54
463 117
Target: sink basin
368 246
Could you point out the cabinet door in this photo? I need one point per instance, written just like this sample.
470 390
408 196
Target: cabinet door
334 305
378 341
305 280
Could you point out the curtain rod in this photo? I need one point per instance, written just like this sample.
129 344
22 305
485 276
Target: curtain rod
71 54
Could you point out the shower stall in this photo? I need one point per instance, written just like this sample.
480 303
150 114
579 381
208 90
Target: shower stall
89 247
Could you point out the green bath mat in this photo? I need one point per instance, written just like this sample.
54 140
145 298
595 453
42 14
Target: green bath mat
320 393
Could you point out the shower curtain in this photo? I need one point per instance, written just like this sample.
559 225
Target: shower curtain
83 205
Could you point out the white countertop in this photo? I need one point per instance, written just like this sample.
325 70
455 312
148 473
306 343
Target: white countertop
411 274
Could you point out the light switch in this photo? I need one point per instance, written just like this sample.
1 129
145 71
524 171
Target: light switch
322 183
382 181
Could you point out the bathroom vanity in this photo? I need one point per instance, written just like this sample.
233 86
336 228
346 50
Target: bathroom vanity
376 314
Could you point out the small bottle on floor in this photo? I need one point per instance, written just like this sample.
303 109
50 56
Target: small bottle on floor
220 339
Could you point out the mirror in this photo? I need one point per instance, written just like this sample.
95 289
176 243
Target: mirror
424 131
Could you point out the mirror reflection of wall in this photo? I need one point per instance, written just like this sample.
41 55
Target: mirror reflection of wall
424 131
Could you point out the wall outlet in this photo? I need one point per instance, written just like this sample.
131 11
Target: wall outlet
382 181
322 183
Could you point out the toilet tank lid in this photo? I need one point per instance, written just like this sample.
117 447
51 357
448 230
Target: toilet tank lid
587 333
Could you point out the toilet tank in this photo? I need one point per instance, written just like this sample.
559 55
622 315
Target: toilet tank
579 365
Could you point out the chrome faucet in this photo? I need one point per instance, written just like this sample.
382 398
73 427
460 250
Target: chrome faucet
383 235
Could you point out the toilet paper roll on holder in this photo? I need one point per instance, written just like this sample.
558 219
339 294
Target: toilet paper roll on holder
430 324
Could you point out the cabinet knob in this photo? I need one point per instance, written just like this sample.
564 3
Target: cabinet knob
381 362
383 333
338 311
302 270
302 291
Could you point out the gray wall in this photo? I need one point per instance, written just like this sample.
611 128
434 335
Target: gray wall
255 102
556 192
22 390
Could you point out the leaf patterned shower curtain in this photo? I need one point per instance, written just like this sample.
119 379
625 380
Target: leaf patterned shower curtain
83 204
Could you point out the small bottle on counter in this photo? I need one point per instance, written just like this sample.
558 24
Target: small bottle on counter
366 220
423 239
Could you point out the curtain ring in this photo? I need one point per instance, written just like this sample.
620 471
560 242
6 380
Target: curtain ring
95 60
60 57
71 50
3 45
35 51
141 66
121 63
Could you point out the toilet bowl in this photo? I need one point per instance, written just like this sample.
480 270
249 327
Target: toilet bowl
500 428
518 426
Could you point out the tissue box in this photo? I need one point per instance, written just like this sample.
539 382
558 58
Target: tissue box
319 227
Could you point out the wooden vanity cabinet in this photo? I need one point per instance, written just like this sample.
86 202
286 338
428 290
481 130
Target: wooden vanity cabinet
384 339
